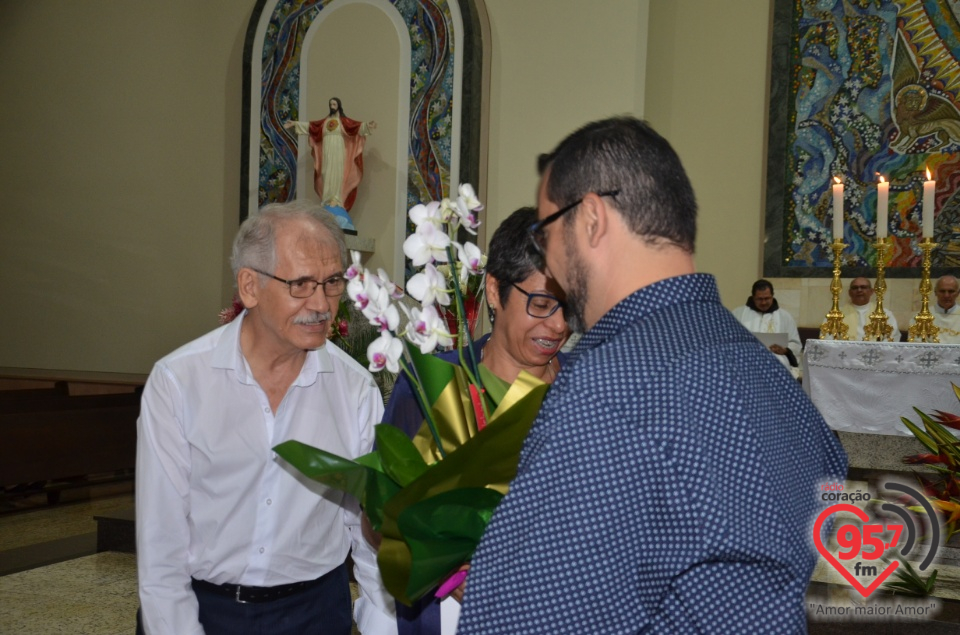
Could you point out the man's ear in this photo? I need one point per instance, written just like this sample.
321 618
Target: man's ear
248 287
596 219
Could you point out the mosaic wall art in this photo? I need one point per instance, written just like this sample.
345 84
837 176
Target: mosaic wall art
860 89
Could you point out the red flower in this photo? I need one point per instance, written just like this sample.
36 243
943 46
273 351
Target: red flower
926 459
230 314
947 419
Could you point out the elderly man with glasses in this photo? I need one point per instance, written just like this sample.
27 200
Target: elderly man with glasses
856 314
675 463
946 314
229 539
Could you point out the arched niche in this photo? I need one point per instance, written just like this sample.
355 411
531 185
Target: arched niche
431 138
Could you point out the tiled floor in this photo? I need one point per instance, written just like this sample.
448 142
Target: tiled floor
58 584
95 595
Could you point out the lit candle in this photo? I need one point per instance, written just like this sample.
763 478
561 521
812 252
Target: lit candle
837 209
928 189
883 192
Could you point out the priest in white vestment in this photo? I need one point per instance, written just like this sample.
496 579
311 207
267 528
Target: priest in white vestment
856 315
762 314
946 315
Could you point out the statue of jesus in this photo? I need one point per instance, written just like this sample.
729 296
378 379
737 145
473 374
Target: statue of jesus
337 144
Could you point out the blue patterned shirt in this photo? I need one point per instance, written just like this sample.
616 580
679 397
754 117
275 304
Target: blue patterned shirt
668 484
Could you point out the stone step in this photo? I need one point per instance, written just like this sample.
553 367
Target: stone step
116 531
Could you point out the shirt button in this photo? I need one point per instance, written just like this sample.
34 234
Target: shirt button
269 502
267 409
261 549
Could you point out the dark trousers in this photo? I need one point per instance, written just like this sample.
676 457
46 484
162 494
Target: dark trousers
321 610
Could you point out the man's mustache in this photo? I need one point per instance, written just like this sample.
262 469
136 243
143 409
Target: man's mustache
313 317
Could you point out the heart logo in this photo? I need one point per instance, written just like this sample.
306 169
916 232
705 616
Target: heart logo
817 540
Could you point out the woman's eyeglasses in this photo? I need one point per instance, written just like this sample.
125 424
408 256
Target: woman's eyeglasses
540 305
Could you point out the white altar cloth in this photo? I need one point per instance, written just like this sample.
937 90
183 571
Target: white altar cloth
868 386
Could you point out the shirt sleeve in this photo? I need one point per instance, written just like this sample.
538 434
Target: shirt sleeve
374 611
167 601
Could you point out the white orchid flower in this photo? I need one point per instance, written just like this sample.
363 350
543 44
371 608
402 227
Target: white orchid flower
429 213
395 291
427 244
357 290
427 330
356 268
469 197
448 211
472 259
429 286
385 352
466 216
379 309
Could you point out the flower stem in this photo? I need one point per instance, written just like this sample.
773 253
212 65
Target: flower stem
421 397
473 367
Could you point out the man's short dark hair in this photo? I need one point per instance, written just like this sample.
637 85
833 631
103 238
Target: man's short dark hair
626 154
761 285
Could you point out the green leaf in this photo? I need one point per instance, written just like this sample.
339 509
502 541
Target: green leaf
358 478
380 489
922 436
443 532
329 469
495 387
401 460
433 372
489 457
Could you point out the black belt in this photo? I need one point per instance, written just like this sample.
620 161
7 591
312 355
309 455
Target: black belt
257 594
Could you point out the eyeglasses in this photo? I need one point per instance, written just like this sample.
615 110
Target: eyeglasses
540 305
536 230
860 287
302 288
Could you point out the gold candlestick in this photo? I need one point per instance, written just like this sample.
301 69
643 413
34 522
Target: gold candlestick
923 329
879 330
833 326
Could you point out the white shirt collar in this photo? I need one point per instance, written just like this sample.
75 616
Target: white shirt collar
228 355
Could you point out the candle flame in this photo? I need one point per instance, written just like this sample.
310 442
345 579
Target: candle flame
929 176
882 179
837 179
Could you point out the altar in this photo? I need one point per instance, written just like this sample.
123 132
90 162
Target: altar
866 387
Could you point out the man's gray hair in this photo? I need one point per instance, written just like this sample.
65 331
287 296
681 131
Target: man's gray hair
255 245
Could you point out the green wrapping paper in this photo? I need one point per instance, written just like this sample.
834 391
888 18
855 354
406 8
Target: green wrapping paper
432 513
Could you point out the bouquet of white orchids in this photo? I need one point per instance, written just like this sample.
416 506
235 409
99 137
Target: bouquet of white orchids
431 497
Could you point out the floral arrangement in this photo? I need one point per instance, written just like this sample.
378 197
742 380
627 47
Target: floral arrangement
431 497
943 457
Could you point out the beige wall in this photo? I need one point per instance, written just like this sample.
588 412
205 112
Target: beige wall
706 93
120 131
553 71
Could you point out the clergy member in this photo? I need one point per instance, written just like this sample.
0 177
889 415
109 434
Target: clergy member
857 313
762 314
946 316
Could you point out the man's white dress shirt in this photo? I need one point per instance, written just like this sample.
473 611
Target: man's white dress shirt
215 502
